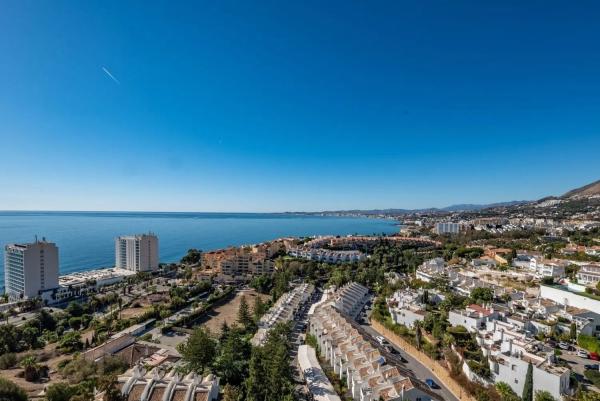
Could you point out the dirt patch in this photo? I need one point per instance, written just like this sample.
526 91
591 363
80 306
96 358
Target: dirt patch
228 312
129 313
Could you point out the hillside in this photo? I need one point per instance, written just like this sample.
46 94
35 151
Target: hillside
586 190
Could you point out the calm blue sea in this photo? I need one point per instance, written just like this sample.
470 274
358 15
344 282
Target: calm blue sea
86 239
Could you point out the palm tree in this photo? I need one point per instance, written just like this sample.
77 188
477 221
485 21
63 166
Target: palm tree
30 368
120 304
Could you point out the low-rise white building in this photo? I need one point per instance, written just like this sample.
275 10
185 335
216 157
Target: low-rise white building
473 317
137 384
354 359
283 310
430 269
589 274
351 298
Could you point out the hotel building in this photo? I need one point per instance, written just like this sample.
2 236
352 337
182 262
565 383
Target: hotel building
30 269
137 253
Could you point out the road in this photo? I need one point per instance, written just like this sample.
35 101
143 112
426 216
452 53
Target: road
411 367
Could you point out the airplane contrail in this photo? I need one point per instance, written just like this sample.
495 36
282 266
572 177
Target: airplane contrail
110 75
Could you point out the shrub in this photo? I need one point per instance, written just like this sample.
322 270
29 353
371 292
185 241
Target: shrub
8 361
593 376
590 343
10 391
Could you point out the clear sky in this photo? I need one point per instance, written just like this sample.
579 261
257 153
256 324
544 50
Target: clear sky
284 105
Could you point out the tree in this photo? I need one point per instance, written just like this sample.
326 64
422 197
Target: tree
199 350
31 336
573 331
543 395
482 295
232 362
418 334
75 323
270 375
193 257
259 308
244 317
109 385
9 338
528 386
75 309
30 368
46 320
71 342
9 391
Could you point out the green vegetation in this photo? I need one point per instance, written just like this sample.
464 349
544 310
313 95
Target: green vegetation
270 374
593 376
506 392
85 376
590 343
9 391
193 257
199 351
528 386
542 395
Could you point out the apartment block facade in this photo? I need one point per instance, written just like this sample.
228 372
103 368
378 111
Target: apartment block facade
137 253
30 269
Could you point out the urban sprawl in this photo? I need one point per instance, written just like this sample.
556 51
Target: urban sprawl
497 303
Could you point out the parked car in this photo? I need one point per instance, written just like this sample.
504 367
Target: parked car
592 367
582 353
381 340
564 345
594 356
431 384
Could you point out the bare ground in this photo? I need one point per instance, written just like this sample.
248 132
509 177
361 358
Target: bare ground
228 312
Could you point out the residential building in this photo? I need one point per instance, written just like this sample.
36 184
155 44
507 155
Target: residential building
431 269
284 310
137 384
571 295
138 253
318 384
351 298
473 317
30 269
239 264
510 360
327 255
510 350
447 228
589 274
406 308
355 360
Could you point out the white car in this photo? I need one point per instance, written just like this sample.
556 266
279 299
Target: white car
381 340
582 353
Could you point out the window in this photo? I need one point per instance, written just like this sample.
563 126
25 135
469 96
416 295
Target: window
516 381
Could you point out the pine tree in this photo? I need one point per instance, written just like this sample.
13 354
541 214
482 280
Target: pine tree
528 387
418 335
258 308
244 317
199 351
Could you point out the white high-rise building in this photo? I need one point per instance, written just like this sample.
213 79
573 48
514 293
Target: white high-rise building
137 253
30 269
447 228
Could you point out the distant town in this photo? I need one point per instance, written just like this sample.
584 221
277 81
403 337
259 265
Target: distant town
493 303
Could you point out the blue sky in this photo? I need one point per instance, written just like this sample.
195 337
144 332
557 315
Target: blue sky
309 105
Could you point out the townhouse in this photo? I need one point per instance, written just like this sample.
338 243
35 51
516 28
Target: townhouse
354 359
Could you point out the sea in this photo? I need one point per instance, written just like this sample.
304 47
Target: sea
86 239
